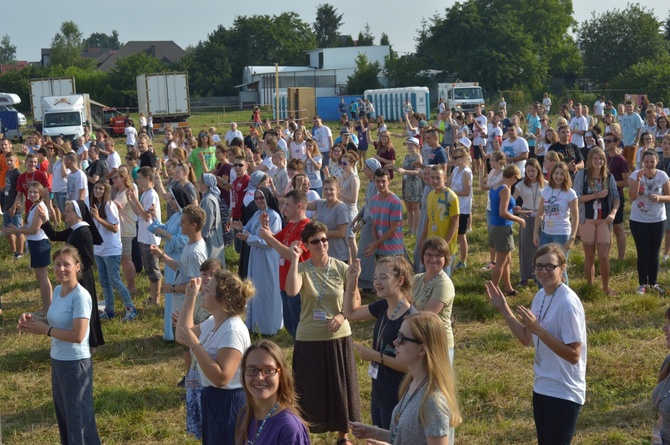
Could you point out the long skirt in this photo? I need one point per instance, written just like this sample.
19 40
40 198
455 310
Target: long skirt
95 337
327 383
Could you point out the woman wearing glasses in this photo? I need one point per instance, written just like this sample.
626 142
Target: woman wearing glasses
556 327
271 415
323 355
428 408
217 345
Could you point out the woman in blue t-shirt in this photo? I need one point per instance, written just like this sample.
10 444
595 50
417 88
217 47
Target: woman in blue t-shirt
67 323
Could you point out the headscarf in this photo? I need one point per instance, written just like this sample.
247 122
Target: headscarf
81 209
270 199
256 178
373 164
210 181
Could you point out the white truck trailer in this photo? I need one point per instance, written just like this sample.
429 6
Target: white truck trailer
166 97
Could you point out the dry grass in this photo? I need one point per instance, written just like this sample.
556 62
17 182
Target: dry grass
136 400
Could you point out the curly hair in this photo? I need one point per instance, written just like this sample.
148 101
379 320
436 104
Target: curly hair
232 293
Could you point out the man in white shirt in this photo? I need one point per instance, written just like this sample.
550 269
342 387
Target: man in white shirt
113 158
546 101
324 139
578 127
479 126
599 109
233 133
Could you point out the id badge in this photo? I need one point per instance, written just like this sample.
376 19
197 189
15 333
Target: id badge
434 228
373 370
6 192
192 383
379 233
282 261
550 223
320 315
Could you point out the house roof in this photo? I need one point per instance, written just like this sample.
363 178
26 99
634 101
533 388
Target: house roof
164 50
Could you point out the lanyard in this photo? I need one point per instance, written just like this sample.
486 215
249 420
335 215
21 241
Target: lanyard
258 433
394 433
319 293
383 326
540 316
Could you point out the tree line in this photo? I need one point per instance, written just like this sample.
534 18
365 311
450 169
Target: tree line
503 44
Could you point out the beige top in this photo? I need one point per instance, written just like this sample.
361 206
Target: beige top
309 328
441 289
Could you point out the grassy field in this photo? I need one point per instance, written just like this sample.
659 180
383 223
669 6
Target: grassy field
136 400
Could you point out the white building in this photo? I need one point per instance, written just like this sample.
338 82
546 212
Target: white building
327 72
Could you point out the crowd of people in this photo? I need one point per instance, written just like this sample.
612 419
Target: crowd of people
287 199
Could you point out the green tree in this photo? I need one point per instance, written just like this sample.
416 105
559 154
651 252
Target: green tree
384 39
616 39
502 43
666 28
102 40
365 77
67 45
208 66
650 77
327 26
365 37
7 51
402 71
122 78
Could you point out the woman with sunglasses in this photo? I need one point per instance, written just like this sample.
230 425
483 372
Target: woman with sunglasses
272 415
324 364
264 313
428 410
555 326
217 345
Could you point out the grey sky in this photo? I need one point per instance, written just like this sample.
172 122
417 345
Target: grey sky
32 24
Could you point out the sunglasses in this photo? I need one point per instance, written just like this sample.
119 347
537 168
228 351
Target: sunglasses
609 141
238 165
458 157
344 163
315 242
401 339
203 135
251 371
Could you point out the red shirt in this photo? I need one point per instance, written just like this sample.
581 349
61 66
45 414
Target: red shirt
44 167
24 181
239 190
286 236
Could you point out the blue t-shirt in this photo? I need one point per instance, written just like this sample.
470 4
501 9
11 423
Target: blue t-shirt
62 312
533 126
496 219
437 156
630 124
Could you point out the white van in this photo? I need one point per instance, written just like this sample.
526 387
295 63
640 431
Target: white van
7 102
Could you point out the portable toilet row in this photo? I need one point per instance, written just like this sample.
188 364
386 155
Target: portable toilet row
282 113
389 102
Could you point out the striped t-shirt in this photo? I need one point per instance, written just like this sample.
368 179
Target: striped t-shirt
384 211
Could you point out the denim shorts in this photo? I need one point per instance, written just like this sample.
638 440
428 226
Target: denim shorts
40 253
16 221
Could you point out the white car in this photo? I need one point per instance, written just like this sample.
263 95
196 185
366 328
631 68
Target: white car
22 117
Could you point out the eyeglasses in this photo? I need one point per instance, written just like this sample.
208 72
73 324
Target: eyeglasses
401 339
251 371
609 141
436 256
548 267
315 242
238 165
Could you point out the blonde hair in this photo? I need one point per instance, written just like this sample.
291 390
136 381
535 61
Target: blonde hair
232 293
427 328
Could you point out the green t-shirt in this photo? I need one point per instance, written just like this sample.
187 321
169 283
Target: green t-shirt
209 154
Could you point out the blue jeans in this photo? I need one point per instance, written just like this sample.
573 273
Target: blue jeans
545 238
109 274
60 198
555 419
291 307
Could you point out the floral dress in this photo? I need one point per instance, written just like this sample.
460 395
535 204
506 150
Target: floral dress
412 186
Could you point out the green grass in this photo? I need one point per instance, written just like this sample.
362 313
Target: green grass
136 400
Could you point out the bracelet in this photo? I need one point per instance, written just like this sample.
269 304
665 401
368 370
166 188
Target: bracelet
162 255
381 357
342 314
198 344
49 331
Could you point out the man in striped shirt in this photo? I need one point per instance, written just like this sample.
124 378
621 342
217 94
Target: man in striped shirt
386 211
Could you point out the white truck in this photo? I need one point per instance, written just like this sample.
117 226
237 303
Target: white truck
10 119
461 96
166 97
47 87
65 116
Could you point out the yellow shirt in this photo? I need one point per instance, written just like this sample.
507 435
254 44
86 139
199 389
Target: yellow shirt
441 207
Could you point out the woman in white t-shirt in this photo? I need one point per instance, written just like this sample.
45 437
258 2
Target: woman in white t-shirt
460 182
107 255
313 164
557 216
38 242
555 326
217 345
649 189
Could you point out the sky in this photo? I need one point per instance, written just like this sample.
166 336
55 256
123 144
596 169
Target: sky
40 20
